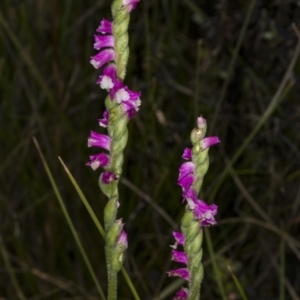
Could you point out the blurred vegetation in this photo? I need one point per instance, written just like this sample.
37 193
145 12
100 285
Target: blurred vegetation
235 62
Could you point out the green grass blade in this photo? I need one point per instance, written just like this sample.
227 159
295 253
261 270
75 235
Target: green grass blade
10 270
97 223
69 221
282 269
237 284
214 264
171 288
83 199
130 284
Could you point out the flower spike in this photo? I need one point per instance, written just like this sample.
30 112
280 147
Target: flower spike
121 104
197 214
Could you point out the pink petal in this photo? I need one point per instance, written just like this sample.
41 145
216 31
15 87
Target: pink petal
99 140
179 256
131 4
186 182
108 177
183 273
125 94
181 294
104 121
201 123
98 160
108 78
209 141
122 240
190 194
179 237
103 41
117 86
102 58
205 213
186 169
187 154
105 26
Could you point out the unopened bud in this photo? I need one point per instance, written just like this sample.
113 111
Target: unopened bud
113 233
110 211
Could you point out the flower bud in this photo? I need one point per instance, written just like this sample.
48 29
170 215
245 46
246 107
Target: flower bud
201 123
114 233
182 294
107 183
118 254
197 135
110 211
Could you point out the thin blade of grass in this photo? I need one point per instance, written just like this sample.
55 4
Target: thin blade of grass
237 284
282 269
97 223
214 264
175 285
10 270
68 219
83 199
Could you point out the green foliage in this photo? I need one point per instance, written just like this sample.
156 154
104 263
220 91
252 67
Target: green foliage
182 54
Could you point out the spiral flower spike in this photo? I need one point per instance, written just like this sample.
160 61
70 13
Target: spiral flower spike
197 213
121 105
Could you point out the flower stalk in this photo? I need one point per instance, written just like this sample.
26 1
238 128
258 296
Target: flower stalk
121 105
197 213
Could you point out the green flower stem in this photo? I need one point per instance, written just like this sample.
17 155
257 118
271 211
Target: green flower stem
120 31
112 286
117 130
192 231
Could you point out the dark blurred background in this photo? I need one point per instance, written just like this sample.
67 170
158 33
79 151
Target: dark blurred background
234 62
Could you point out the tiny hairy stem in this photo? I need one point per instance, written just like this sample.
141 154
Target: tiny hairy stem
112 286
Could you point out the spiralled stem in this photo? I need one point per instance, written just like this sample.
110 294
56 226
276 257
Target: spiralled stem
118 132
192 231
120 31
201 162
191 227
